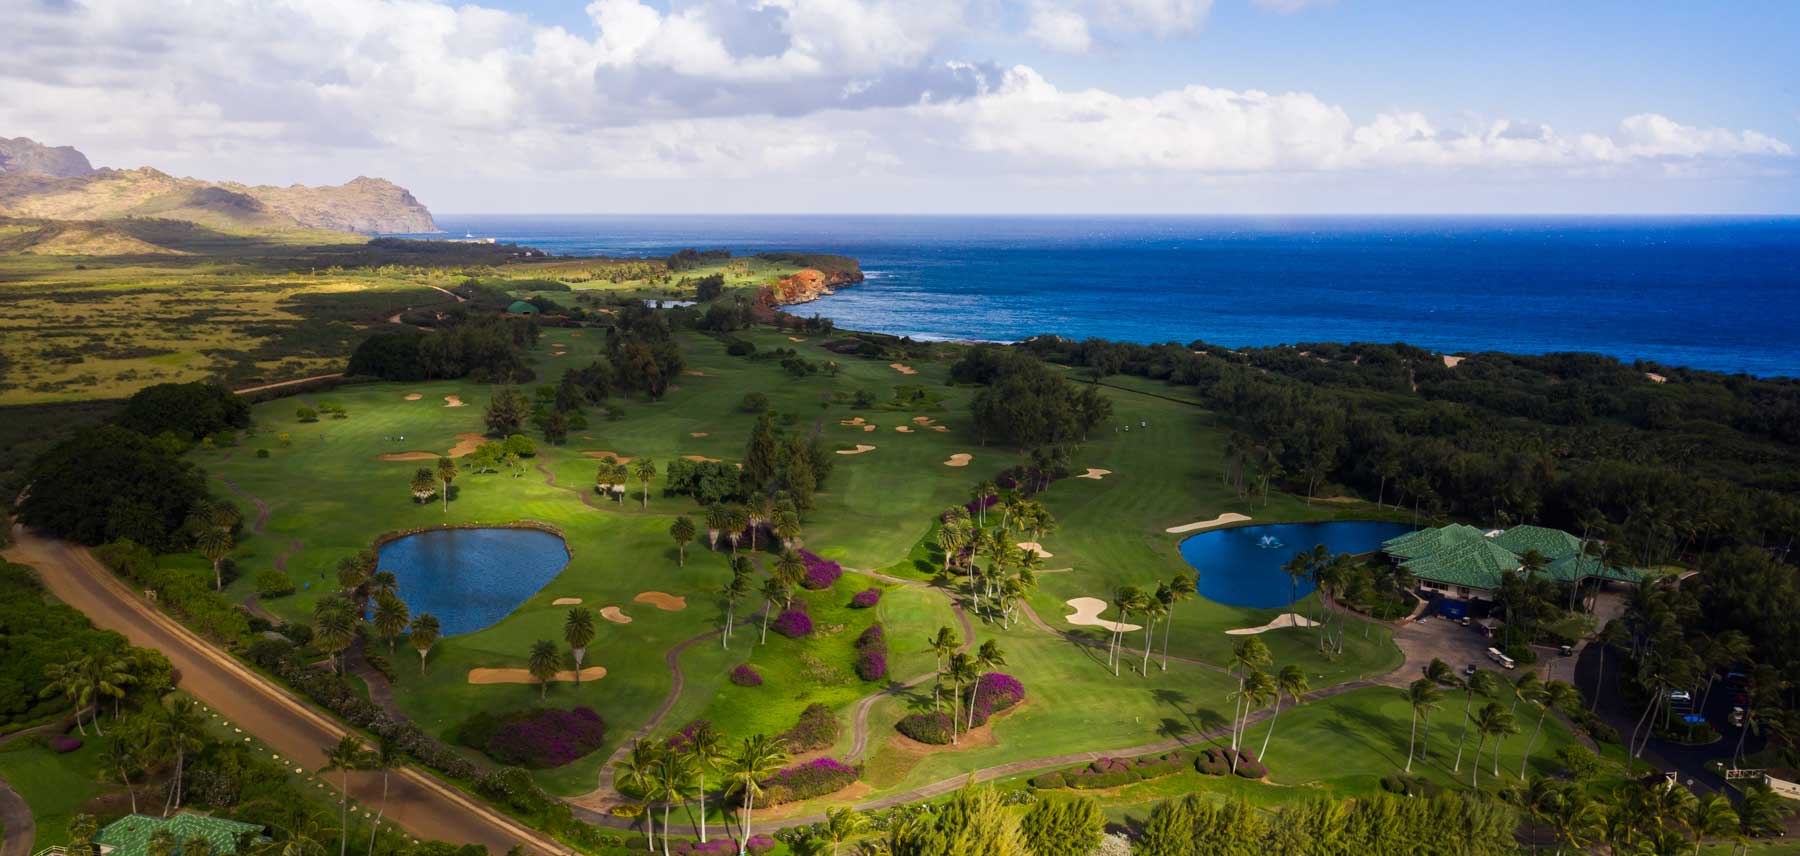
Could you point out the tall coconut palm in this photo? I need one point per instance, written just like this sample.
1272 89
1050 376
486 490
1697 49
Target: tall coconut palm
638 772
842 824
759 508
773 591
755 760
446 473
682 530
1439 673
215 544
390 619
1290 681
980 498
987 658
951 539
707 747
787 527
672 782
943 644
423 634
72 679
733 592
1248 655
737 519
1182 587
1710 816
790 569
1491 721
1552 695
386 757
543 664
174 733
1297 568
644 469
341 758
960 668
718 517
1422 695
1525 684
1124 599
1481 683
1153 606
578 631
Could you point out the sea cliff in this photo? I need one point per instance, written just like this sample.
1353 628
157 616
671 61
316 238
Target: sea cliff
821 276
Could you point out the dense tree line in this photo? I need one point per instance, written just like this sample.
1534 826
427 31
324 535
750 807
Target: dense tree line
642 352
1026 403
187 410
487 349
108 483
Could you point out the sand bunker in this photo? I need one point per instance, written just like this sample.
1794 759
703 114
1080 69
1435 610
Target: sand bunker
857 421
1286 619
902 368
413 396
860 448
1656 378
904 429
566 601
1035 547
870 427
1095 473
453 401
795 339
923 420
1451 362
557 353
575 335
941 428
1221 520
960 459
521 676
662 600
614 615
465 444
700 459
1087 614
604 453
693 372
697 434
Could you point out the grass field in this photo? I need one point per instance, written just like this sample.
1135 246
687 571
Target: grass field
57 787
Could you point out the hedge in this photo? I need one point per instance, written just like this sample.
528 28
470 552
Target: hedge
814 778
817 729
539 738
932 728
871 653
758 845
821 573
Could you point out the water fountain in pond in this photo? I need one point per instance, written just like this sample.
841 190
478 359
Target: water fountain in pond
1269 542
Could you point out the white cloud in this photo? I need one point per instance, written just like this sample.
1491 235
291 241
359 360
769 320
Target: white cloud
1069 26
1059 29
1289 7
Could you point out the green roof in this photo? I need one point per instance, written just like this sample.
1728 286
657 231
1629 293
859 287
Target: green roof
520 307
1476 564
130 835
1553 544
1425 542
1574 568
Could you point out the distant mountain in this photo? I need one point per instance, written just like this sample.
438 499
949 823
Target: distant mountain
59 183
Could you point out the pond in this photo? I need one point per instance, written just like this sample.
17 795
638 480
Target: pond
472 578
1242 566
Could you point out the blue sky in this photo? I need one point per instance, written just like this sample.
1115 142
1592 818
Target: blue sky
1205 106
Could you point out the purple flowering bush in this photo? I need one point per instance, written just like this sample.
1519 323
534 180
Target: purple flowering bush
871 653
865 599
999 690
793 624
758 845
817 729
746 675
545 737
814 778
64 743
821 573
994 692
932 728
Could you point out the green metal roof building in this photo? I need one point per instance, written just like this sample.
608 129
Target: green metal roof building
130 835
520 307
1465 562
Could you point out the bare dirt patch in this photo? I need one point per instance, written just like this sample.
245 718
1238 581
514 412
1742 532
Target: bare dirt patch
453 401
903 368
860 448
522 676
960 459
1221 520
662 600
614 615
1095 473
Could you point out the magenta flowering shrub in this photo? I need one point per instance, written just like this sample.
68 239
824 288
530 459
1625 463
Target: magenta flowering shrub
982 504
814 778
64 743
793 624
865 599
546 737
817 729
932 728
758 845
821 573
999 690
994 692
871 653
746 675
679 740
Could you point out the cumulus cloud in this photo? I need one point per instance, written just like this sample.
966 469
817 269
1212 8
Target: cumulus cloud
1070 26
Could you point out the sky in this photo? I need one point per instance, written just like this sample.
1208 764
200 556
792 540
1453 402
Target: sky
935 106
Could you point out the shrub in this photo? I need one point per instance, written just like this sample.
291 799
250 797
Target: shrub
874 636
1522 653
273 583
871 665
820 573
793 624
63 743
753 402
1049 781
932 728
814 778
1212 762
306 414
817 729
545 737
758 845
1251 770
998 692
746 675
1579 761
262 453
865 599
741 348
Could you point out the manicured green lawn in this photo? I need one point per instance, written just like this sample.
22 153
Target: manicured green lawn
55 786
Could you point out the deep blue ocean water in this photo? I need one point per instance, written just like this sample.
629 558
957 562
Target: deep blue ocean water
1242 566
472 578
1713 293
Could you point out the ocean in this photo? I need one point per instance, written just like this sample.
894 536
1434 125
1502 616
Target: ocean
1712 293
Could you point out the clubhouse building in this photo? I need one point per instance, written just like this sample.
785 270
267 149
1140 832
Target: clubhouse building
1466 563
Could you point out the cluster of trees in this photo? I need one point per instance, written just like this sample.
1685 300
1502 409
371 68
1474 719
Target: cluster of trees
963 670
53 660
674 772
1025 403
642 352
690 258
785 464
1010 574
339 617
1642 817
485 348
188 411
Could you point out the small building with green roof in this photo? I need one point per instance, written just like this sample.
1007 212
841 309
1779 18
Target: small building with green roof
1463 562
520 307
130 835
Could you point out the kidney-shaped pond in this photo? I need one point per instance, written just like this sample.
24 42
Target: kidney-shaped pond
472 578
1242 566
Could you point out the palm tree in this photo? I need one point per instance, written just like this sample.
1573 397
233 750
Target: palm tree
1300 566
758 510
738 519
71 679
773 589
1422 695
644 469
672 781
790 569
176 731
1154 606
718 517
578 631
981 493
1124 599
347 755
987 658
125 753
1291 680
543 664
1711 815
732 593
1439 673
383 583
787 527
446 473
110 674
961 670
943 645
951 539
842 824
1575 818
1483 683
755 760
424 484
1525 684
707 747
682 530
215 544
1552 695
1246 656
1180 588
638 772
385 758
607 474
1491 721
333 630
423 634
390 619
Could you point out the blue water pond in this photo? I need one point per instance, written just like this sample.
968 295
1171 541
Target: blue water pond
472 578
1242 566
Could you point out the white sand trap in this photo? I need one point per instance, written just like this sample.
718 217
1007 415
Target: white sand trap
566 601
1035 547
465 444
662 600
413 396
944 429
1221 520
575 335
453 401
870 427
1095 473
1656 378
795 340
923 420
697 434
700 459
904 429
614 615
1286 619
693 372
604 453
1449 363
857 421
521 676
903 368
557 353
1056 571
1087 614
860 448
960 459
